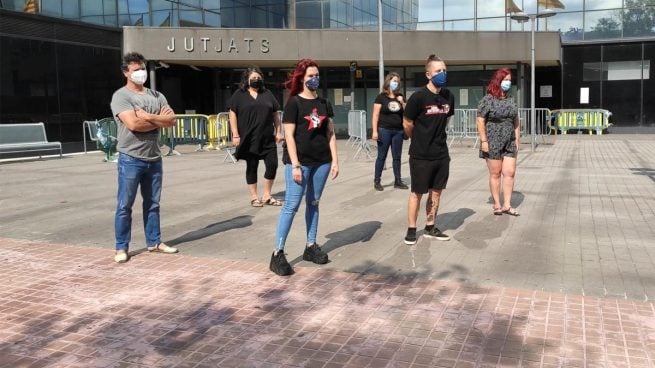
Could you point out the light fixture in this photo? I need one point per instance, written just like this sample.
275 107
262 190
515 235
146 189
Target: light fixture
163 65
521 17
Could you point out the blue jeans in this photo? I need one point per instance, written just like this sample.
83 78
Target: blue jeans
386 138
313 182
133 172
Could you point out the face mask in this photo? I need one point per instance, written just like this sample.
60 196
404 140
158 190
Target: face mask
393 85
139 76
506 85
439 79
313 83
256 83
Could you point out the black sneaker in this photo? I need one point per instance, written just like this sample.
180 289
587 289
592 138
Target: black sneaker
400 185
410 238
315 254
435 233
378 186
279 264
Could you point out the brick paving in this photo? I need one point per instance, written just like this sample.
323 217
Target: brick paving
71 306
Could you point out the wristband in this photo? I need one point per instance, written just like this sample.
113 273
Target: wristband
235 136
297 166
483 141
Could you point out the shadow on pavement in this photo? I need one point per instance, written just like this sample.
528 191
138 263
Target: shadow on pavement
213 229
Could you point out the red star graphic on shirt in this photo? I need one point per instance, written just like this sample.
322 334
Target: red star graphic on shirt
315 120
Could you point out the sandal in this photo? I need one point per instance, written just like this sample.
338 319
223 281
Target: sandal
498 211
272 202
511 211
256 203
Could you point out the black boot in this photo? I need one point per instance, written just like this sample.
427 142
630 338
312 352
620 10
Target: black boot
398 184
279 264
377 185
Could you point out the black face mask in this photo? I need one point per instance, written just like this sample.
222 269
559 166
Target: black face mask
256 83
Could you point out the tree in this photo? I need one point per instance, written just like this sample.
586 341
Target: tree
638 19
607 27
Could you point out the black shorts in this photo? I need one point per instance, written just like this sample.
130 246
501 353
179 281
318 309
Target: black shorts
428 174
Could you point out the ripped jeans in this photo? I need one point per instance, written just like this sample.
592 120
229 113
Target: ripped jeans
313 182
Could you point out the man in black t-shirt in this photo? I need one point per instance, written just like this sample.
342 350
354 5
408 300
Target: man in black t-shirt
426 116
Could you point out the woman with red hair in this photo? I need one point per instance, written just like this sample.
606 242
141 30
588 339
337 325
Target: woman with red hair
500 135
310 156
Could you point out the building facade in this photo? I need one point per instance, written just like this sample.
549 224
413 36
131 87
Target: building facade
60 58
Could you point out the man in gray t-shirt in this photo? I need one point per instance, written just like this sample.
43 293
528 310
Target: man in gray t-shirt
139 112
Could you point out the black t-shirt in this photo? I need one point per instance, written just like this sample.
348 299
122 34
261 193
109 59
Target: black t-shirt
391 112
430 113
255 121
311 117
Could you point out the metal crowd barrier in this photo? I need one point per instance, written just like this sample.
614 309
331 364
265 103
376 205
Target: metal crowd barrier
91 127
99 131
357 132
582 119
543 125
189 128
463 126
222 134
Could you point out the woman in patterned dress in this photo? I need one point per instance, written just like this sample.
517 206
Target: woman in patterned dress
500 134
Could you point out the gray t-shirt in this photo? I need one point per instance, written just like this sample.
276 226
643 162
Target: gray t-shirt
141 145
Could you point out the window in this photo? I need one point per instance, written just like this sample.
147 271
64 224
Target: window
602 24
491 8
491 24
602 4
459 9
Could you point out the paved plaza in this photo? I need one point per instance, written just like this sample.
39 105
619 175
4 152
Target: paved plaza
569 283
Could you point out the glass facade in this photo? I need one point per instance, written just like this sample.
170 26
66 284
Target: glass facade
56 83
579 20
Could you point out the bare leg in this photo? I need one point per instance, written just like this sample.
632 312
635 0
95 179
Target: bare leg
252 188
412 208
432 206
509 170
494 167
268 186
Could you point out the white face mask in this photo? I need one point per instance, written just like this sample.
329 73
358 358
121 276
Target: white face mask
139 76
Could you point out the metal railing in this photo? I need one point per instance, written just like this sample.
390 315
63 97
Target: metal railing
463 126
357 132
188 128
581 119
543 126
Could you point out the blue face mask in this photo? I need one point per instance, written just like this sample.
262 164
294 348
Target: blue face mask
393 85
313 83
439 79
506 85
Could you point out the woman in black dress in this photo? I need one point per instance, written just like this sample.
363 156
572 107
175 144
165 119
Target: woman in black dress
500 138
256 130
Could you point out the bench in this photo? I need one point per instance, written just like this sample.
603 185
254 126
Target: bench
29 137
581 119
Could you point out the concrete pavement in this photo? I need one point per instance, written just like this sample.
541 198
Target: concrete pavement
568 283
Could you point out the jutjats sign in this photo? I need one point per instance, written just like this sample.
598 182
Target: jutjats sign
218 45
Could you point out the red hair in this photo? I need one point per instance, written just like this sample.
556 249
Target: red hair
295 83
494 84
